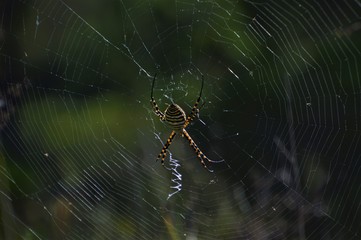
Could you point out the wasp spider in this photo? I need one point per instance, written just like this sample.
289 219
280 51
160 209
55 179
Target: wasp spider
176 118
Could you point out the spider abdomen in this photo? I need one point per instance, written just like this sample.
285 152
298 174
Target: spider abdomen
175 117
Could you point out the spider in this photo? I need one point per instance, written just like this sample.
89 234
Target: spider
176 118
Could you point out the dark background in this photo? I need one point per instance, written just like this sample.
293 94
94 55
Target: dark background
282 108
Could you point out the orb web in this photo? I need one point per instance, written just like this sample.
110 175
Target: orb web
79 138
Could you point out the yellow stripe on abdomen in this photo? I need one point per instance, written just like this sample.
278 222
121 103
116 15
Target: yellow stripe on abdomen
175 117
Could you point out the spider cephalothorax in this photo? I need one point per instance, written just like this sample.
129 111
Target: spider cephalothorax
176 118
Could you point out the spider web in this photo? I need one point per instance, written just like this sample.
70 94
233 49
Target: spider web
281 106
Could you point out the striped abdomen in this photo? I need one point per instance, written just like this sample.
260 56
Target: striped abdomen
175 117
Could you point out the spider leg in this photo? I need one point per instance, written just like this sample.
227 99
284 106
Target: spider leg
194 113
156 109
195 109
154 104
163 153
199 153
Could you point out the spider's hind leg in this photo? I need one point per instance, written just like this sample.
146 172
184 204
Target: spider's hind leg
162 155
199 153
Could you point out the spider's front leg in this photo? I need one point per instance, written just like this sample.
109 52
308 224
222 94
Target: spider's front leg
156 109
195 109
163 153
154 104
194 113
